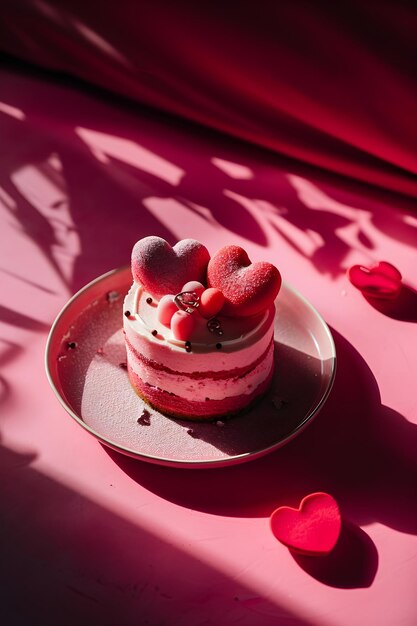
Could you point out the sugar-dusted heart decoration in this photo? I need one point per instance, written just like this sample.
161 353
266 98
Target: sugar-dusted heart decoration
381 280
312 529
163 269
248 288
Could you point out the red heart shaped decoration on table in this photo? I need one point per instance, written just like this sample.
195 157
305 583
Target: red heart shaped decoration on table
312 529
248 288
163 269
381 280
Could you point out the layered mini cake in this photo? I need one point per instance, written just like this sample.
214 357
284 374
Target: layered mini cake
199 332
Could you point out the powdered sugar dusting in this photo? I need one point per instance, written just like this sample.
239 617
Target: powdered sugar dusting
248 288
163 269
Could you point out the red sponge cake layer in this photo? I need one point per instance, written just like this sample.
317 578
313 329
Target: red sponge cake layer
176 406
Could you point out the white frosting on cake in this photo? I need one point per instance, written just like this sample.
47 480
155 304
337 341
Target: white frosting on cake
243 339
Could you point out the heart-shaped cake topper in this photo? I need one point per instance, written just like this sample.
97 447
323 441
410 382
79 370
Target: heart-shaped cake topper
163 269
248 288
382 280
312 529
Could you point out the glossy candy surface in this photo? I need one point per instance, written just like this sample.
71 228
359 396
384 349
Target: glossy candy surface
381 280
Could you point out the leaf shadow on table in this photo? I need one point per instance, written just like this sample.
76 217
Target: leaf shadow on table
144 173
357 449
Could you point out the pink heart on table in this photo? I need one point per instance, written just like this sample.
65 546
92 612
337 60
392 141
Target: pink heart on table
163 269
381 280
248 288
312 529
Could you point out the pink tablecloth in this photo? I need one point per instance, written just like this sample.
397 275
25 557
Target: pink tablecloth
89 536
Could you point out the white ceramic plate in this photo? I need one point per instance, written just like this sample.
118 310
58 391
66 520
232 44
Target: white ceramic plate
85 359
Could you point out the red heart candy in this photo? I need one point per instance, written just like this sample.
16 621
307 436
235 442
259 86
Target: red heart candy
312 529
163 269
382 280
248 288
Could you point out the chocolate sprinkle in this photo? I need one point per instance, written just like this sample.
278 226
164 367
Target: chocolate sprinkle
123 365
154 333
218 346
145 418
188 346
127 313
71 345
149 300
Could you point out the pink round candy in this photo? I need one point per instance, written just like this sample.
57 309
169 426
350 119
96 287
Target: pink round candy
182 325
194 285
166 309
211 302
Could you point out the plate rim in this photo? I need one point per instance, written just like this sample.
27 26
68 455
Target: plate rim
184 463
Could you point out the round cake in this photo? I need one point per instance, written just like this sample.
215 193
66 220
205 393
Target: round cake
199 331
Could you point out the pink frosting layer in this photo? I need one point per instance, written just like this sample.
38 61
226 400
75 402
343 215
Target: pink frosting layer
214 385
176 406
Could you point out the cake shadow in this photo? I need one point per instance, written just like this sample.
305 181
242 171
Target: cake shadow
357 449
272 419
